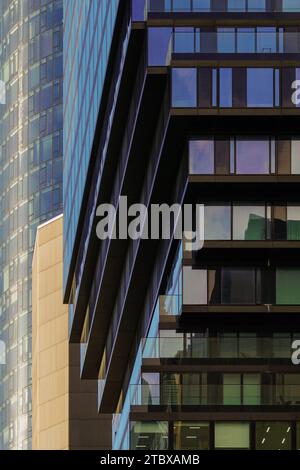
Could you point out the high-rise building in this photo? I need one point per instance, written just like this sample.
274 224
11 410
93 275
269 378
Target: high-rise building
31 68
64 407
197 103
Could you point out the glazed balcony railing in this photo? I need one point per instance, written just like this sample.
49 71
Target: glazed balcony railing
215 395
244 156
223 6
170 304
231 348
235 41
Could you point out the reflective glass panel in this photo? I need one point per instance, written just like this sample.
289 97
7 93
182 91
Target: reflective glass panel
201 157
149 435
293 223
217 223
232 435
287 286
184 87
192 435
245 40
266 40
273 436
238 286
249 223
252 157
261 96
158 45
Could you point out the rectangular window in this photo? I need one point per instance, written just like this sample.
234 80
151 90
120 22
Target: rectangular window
246 40
184 40
290 5
273 435
260 87
193 435
237 5
287 286
225 100
194 286
252 157
184 87
158 45
201 157
251 389
249 223
232 435
266 40
232 389
256 5
217 223
226 40
293 223
295 157
238 286
149 435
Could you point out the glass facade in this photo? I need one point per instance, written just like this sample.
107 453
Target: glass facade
88 35
229 6
217 435
31 43
239 155
204 87
31 37
203 115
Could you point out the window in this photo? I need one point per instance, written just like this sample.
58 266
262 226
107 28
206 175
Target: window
170 389
225 100
273 436
293 223
184 87
194 286
266 40
287 286
149 435
226 40
181 5
201 157
231 389
295 157
249 223
256 5
184 40
237 5
191 435
245 40
241 389
150 389
217 223
238 286
252 157
201 5
194 389
158 45
261 96
232 435
290 5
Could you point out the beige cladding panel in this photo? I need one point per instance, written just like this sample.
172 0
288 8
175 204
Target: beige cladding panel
64 406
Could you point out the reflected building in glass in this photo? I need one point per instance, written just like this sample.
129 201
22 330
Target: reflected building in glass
31 67
191 350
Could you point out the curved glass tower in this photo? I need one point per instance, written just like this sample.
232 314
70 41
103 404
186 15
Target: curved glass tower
31 67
